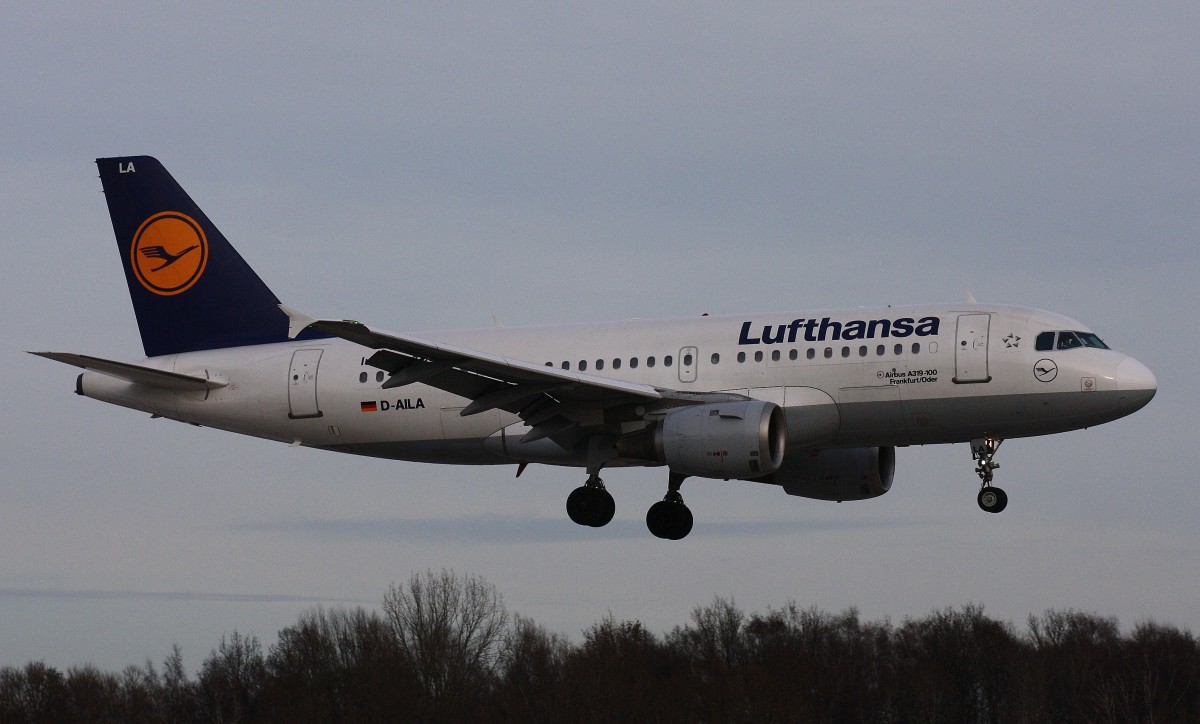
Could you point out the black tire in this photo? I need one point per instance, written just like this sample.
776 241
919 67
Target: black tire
589 506
669 520
992 499
1003 500
579 505
683 523
606 508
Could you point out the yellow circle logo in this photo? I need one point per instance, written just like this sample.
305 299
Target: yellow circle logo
169 253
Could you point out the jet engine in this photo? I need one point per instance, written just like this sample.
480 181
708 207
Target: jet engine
728 440
837 474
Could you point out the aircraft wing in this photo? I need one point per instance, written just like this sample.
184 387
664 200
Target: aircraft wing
135 373
550 400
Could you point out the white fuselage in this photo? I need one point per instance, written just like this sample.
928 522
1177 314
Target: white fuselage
844 378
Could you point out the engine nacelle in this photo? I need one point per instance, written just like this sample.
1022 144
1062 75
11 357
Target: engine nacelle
728 440
838 474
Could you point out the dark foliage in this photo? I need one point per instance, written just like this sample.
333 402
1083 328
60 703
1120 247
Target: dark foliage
444 649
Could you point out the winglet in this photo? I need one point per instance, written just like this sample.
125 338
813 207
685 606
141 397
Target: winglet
297 321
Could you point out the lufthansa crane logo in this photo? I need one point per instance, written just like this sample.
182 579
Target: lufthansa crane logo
169 253
1045 370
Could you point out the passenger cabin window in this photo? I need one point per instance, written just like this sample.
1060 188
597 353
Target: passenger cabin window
741 357
793 354
362 377
649 361
812 353
916 347
716 358
582 365
880 350
633 363
599 364
617 363
898 350
775 355
379 376
758 356
668 360
687 360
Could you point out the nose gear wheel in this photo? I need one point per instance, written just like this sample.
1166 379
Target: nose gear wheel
991 499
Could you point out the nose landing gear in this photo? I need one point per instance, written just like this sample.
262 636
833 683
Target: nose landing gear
991 499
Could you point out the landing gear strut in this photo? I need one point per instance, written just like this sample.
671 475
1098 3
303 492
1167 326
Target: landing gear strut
670 518
590 504
991 499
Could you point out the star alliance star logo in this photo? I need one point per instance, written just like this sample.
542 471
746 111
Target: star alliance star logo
1011 341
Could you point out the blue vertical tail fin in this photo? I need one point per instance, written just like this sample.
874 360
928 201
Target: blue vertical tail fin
190 289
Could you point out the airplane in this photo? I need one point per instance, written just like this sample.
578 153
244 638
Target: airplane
815 402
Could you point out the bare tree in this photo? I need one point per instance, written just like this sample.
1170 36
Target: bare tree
232 679
36 693
531 673
449 630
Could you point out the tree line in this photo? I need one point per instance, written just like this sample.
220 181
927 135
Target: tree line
444 648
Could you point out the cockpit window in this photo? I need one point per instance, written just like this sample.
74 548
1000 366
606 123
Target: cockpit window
1068 340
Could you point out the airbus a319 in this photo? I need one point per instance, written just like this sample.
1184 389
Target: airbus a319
815 402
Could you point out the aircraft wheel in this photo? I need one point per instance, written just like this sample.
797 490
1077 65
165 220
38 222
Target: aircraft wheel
605 508
669 520
590 506
579 504
992 499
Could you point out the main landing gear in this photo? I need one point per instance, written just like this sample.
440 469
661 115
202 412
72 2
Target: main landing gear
670 518
991 499
592 505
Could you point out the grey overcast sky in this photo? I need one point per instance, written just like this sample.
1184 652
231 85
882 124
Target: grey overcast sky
423 166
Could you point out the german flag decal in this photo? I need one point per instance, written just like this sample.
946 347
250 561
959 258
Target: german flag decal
371 406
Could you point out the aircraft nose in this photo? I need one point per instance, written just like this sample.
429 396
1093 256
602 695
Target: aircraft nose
1136 382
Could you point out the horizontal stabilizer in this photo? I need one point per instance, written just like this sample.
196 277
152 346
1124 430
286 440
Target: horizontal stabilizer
135 373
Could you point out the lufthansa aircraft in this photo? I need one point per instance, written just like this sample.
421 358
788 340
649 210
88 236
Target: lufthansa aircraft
814 402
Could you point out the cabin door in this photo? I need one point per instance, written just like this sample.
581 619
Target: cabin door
302 384
970 349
